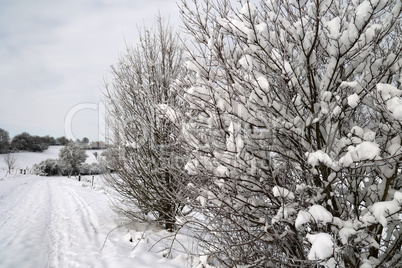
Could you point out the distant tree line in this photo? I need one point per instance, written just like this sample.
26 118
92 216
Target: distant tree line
93 145
34 143
27 142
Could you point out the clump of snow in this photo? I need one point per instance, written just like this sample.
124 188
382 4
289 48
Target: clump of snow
369 136
263 83
366 150
398 197
363 12
334 28
345 232
336 111
353 100
285 65
262 29
391 95
343 142
283 213
387 209
246 61
348 158
318 156
353 84
358 131
369 263
302 218
326 96
320 214
282 192
388 91
322 246
356 140
394 105
315 213
202 200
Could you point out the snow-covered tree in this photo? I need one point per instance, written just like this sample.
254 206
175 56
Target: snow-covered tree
295 125
11 162
72 156
4 141
146 150
85 141
27 142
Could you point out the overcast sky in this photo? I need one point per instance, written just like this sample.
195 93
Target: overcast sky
55 55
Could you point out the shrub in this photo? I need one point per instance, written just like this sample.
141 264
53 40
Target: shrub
55 167
90 169
49 167
72 156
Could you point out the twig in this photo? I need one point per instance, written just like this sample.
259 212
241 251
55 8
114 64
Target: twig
139 240
104 242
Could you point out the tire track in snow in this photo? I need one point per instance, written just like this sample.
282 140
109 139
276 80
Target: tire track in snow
87 227
90 222
58 229
74 230
47 222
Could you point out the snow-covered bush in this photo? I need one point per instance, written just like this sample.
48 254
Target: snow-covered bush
90 169
145 152
294 119
55 167
49 167
72 156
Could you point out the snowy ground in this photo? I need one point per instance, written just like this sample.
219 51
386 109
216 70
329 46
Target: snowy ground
60 222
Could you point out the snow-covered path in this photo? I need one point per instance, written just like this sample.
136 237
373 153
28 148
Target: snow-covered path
52 222
58 222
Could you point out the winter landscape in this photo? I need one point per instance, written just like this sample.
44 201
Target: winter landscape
61 222
258 134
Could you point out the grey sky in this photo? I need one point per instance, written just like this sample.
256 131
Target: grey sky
55 54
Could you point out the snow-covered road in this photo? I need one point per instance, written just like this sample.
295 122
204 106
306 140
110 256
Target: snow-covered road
51 222
60 222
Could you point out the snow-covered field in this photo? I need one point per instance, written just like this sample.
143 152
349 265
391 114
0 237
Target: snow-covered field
60 222
26 160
